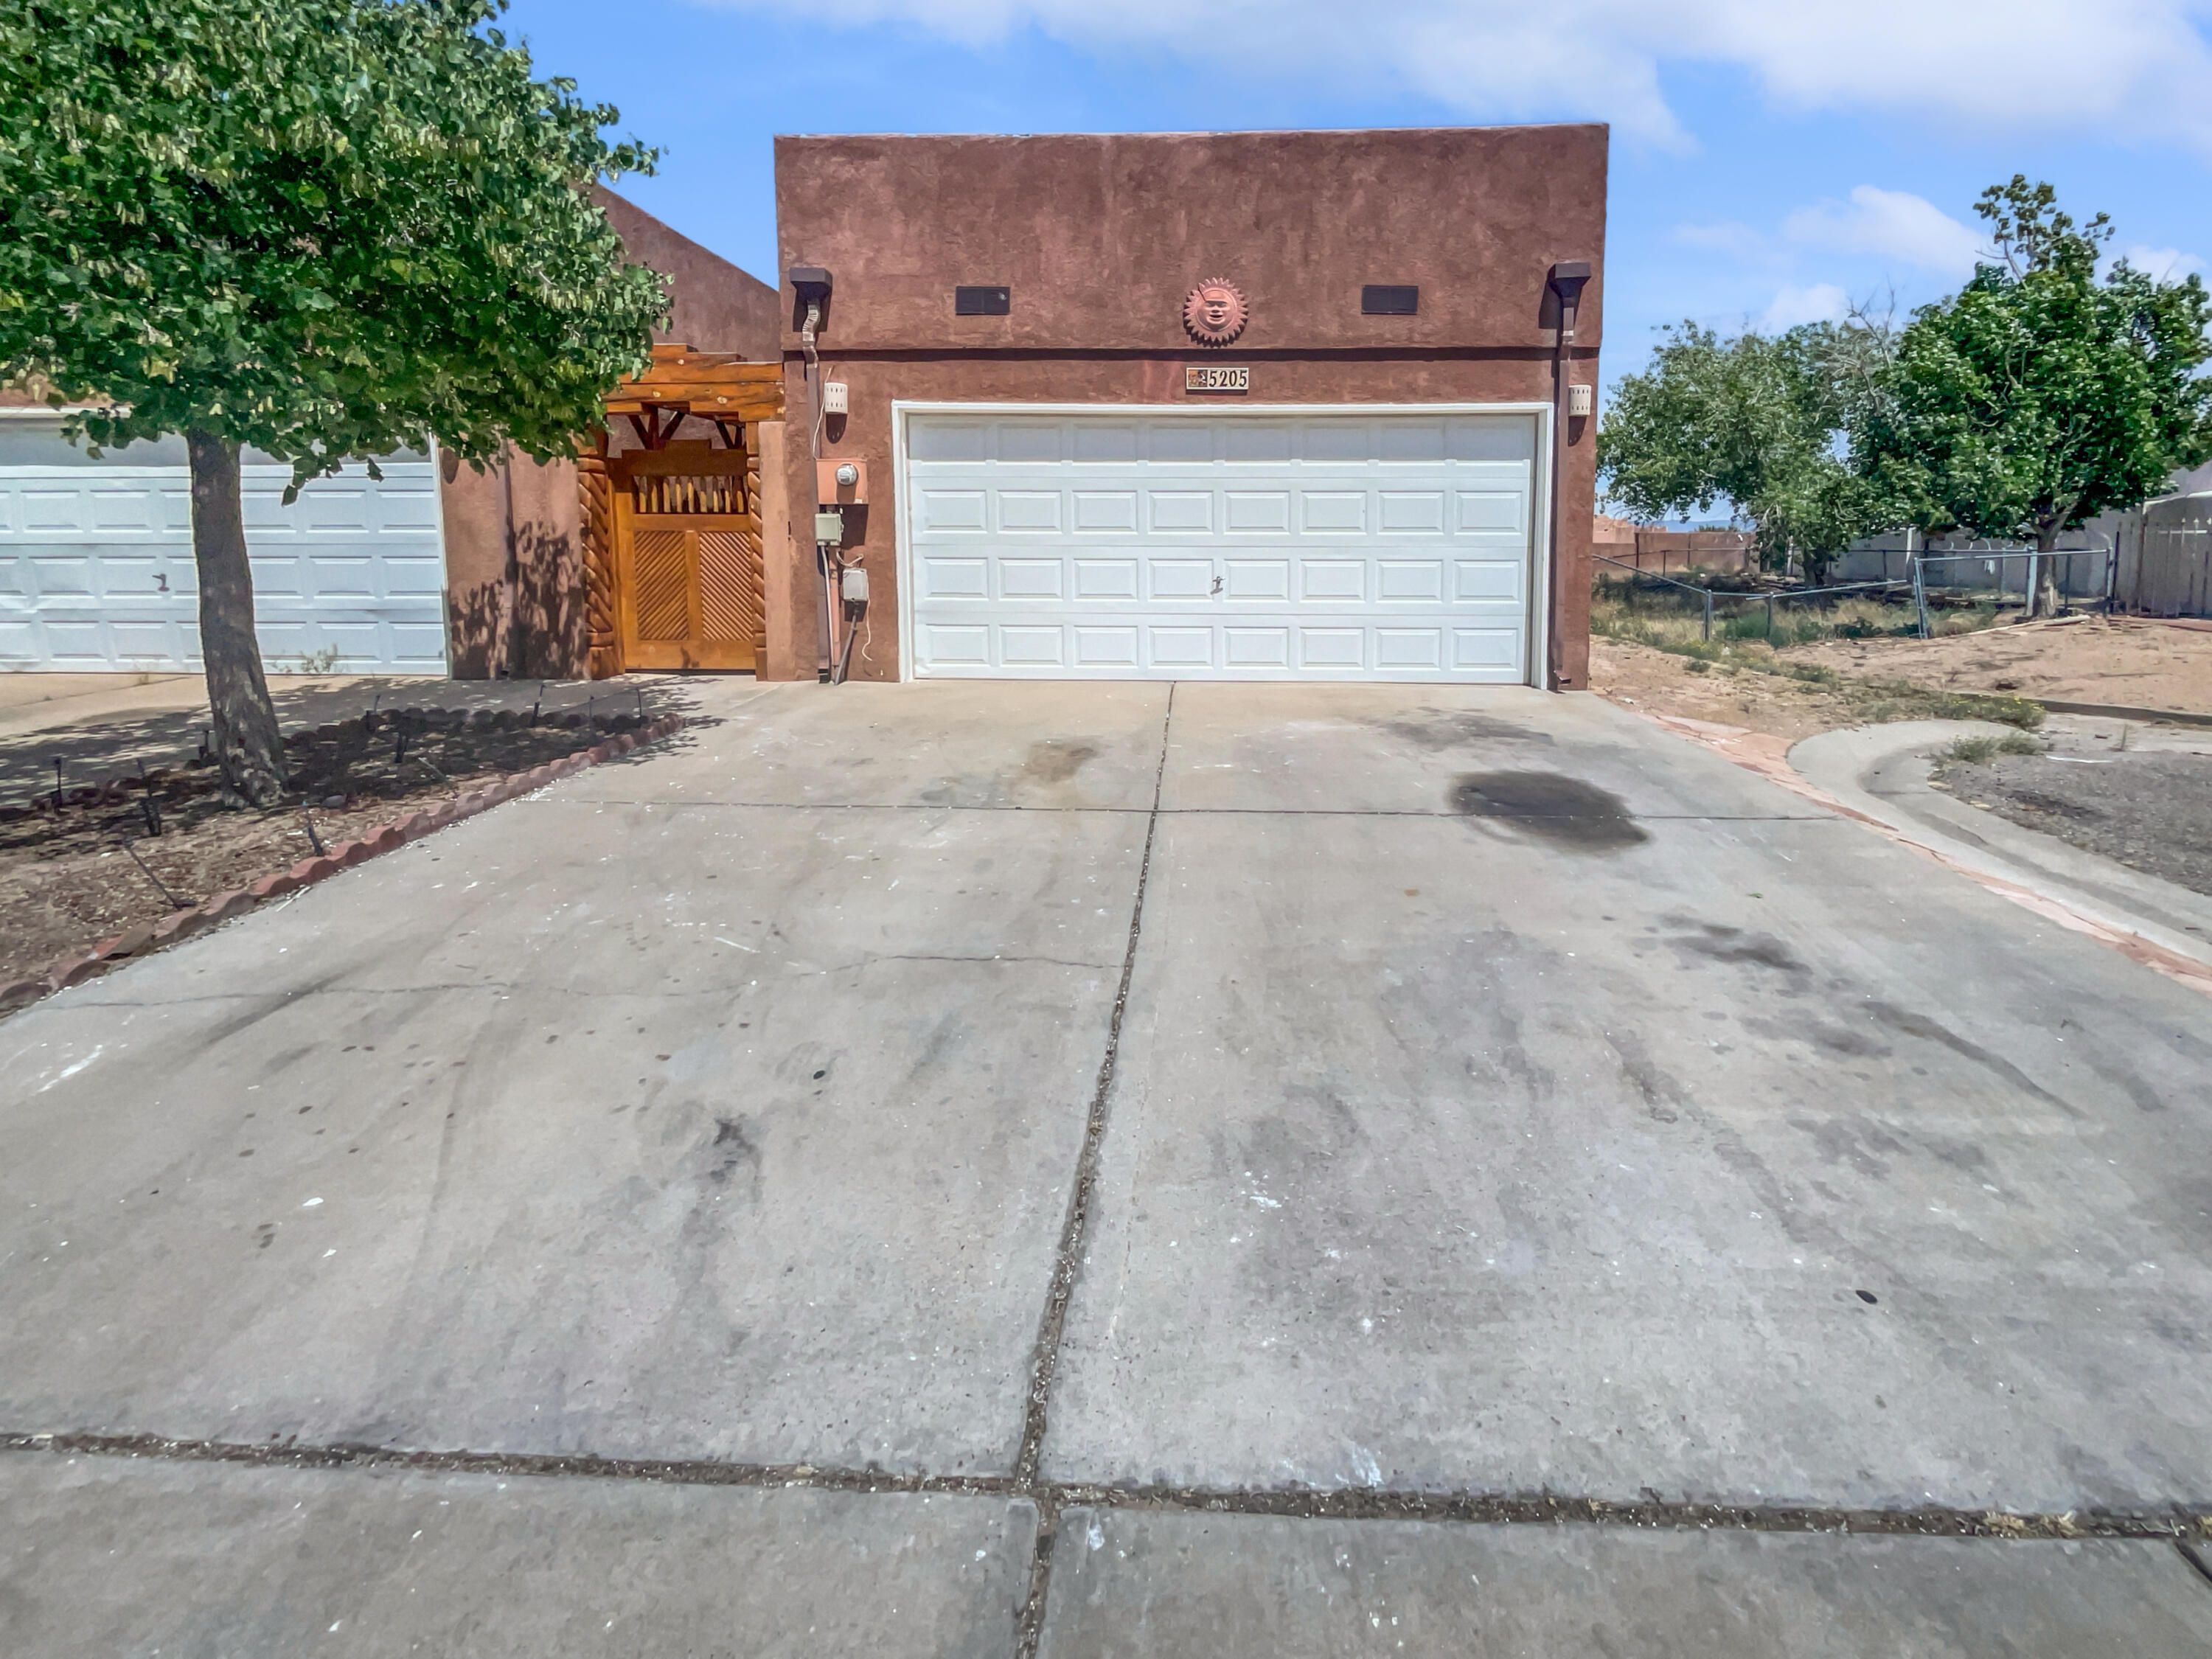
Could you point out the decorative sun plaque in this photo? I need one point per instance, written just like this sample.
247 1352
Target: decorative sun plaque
1214 312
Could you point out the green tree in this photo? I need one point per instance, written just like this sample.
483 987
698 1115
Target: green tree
2040 396
326 229
1756 421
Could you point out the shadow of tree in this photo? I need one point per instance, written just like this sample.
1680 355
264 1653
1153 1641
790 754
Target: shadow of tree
101 748
541 634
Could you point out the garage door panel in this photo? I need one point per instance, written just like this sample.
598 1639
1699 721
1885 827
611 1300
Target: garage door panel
949 440
44 511
1420 648
1256 647
1104 510
1248 442
953 644
1248 581
1106 579
1476 581
1173 441
1333 511
1104 442
63 575
1032 647
1028 579
1265 511
1021 510
1331 649
1020 441
1410 441
1180 579
1421 580
420 576
962 579
1412 512
1186 512
951 512
1390 546
1491 438
1181 648
1322 582
1107 647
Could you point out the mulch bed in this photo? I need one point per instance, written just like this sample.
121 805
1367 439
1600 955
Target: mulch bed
93 867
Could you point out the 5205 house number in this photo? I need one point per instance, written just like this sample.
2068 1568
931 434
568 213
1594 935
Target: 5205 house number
1201 377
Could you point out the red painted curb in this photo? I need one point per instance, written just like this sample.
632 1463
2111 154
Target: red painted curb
221 907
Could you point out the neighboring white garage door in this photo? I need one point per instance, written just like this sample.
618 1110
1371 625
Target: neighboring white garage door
96 561
1221 546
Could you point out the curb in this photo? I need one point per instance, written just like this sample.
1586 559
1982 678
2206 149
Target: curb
81 965
1769 757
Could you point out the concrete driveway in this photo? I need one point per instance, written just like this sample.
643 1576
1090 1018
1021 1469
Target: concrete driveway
1131 1170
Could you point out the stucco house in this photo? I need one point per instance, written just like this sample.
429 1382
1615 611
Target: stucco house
1288 405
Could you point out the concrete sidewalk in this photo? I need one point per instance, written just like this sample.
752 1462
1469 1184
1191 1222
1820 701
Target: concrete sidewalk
1124 1169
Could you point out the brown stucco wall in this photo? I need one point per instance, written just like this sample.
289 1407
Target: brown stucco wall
514 558
716 306
521 616
1101 237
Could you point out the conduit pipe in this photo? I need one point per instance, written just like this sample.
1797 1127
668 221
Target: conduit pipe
1567 280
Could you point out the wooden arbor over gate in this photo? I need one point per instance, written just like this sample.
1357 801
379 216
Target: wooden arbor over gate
672 530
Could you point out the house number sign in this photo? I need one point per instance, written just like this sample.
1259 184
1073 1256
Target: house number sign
1206 377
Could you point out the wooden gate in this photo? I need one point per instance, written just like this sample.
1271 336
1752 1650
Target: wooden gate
688 558
672 530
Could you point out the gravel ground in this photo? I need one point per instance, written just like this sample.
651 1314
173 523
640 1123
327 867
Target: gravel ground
2151 810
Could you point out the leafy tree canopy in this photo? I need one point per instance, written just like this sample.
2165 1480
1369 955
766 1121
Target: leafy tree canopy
325 228
2041 396
1753 421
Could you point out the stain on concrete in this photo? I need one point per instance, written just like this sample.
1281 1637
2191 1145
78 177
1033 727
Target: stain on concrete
734 1148
1439 729
1551 806
1920 1025
1057 760
1860 1142
1662 1093
1717 942
1835 1039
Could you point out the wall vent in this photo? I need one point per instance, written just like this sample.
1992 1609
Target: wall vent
984 302
1389 300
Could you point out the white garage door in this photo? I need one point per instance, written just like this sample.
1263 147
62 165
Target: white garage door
96 561
1221 546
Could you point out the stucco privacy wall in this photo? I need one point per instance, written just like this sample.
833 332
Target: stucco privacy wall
1100 238
514 560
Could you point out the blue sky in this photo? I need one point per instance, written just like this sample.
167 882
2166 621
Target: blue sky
1770 161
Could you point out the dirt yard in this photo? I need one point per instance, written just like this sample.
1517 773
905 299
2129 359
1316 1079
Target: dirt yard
2129 661
1655 682
75 876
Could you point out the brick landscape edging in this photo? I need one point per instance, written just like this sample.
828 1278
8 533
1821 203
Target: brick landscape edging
222 907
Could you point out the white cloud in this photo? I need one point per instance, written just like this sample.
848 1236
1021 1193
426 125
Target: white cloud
2168 265
1890 224
1738 241
2114 68
1823 303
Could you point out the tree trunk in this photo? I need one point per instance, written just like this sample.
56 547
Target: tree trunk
248 745
2044 602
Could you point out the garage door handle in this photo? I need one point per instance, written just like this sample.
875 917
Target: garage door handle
1217 583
